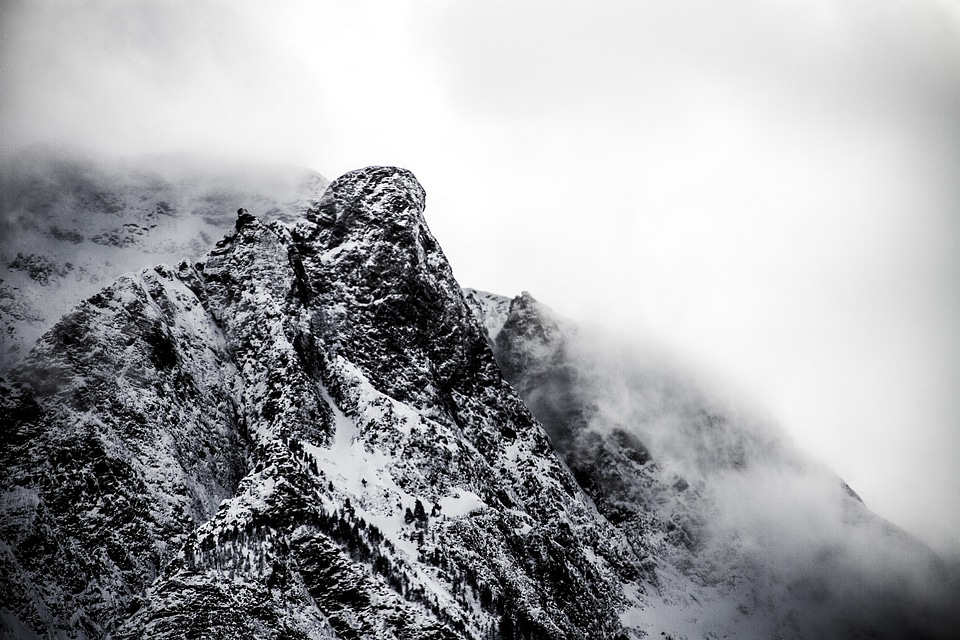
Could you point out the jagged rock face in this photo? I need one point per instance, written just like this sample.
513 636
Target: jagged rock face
120 436
381 262
745 536
71 223
303 435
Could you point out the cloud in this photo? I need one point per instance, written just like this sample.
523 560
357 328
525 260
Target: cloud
768 184
220 77
631 61
772 540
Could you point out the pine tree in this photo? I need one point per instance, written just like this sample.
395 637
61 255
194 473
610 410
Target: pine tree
419 513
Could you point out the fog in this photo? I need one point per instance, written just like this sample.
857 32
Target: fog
768 187
774 543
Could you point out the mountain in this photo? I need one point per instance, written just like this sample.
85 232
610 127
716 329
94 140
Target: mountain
748 536
71 222
312 431
303 435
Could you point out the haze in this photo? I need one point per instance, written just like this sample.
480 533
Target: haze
769 187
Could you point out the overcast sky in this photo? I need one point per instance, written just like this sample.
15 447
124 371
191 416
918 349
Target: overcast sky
769 187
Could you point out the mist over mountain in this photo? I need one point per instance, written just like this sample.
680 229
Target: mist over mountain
310 430
71 222
750 536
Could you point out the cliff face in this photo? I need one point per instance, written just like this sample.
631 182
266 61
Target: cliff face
303 435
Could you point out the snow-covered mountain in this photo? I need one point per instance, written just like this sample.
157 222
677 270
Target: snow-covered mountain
303 434
70 223
313 432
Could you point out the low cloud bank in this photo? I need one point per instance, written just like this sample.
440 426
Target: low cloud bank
772 539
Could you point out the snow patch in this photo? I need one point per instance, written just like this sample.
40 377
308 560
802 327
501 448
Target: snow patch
461 503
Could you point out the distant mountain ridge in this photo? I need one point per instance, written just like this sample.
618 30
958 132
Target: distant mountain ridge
312 431
70 223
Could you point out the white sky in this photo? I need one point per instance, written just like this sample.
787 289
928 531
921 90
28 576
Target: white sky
771 187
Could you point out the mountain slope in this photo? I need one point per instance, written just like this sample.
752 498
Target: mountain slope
749 537
377 477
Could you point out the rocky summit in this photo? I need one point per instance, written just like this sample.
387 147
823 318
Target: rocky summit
313 432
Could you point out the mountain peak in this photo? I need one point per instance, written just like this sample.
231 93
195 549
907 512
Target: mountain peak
379 195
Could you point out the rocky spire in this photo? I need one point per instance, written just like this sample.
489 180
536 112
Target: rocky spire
375 197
